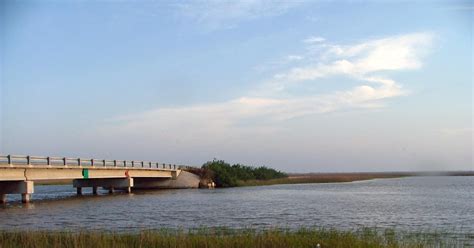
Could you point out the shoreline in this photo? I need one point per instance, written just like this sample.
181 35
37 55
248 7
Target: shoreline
305 178
327 177
321 178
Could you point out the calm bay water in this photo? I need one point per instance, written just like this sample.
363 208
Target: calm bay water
414 204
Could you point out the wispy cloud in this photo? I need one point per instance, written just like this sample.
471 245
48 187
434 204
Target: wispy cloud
314 39
215 14
361 62
467 6
466 131
403 52
294 57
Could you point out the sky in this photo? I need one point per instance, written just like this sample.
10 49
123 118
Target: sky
301 86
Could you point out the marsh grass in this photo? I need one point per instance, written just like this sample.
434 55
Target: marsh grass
322 178
222 237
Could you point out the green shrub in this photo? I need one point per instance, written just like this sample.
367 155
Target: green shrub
226 175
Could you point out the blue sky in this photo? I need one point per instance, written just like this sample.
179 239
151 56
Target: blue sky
295 85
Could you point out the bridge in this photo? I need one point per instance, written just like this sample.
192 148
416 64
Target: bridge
19 173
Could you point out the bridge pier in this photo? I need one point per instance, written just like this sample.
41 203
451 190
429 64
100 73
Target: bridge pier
25 188
25 197
184 180
109 183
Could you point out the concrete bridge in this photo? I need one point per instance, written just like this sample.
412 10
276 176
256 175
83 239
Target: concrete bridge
19 173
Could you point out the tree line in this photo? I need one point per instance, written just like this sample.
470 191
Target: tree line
226 175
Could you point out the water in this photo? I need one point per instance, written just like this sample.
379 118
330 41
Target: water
443 204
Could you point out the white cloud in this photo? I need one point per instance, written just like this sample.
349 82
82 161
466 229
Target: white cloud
216 14
261 112
314 39
466 131
403 52
362 62
294 57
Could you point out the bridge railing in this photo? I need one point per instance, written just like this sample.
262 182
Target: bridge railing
187 167
84 162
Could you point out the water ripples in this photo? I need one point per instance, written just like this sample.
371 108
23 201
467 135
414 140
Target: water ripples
414 204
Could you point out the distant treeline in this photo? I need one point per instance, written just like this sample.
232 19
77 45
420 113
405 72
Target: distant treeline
226 175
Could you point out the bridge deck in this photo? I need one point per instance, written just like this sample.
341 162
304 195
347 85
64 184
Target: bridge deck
32 168
17 173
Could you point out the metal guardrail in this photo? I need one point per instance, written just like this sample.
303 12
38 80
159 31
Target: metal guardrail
81 162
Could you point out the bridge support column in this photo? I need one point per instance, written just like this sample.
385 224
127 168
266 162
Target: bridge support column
109 183
25 188
79 190
25 197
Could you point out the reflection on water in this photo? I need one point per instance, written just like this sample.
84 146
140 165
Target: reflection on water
419 203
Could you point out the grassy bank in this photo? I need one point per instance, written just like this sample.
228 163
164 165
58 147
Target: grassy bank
322 178
225 238
344 177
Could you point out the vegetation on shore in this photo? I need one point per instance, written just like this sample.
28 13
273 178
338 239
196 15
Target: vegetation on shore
226 175
322 178
225 238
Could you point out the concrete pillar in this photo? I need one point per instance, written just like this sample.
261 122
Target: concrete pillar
25 188
25 197
79 190
184 180
3 198
109 183
94 190
175 174
129 190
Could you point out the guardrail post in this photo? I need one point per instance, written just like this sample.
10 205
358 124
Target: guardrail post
157 165
174 166
48 161
28 160
103 162
125 163
133 163
149 163
164 165
170 166
115 163
142 164
79 162
65 161
9 158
